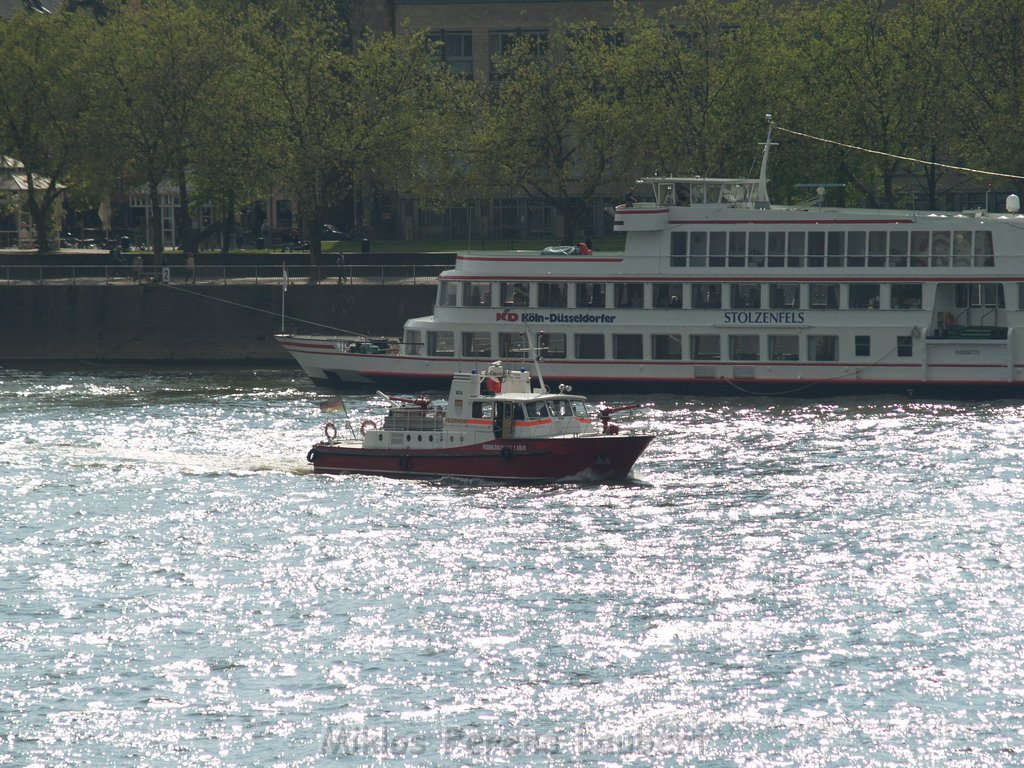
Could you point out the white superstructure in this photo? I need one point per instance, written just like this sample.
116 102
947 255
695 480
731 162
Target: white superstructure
717 290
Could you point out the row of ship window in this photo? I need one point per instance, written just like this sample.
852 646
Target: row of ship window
698 347
880 248
713 295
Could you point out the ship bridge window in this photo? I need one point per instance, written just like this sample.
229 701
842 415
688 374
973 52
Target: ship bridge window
824 295
483 409
962 248
477 294
668 295
706 296
553 295
413 343
627 346
513 346
446 293
440 343
795 247
515 294
745 296
590 346
744 347
590 295
698 249
705 346
667 346
677 249
537 410
979 295
898 242
905 296
716 249
983 250
629 295
784 347
552 345
476 344
919 249
822 348
784 296
756 249
865 295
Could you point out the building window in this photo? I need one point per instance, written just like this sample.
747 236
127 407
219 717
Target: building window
705 346
627 346
667 346
904 346
501 41
476 344
515 294
862 346
784 296
553 295
824 295
865 295
745 296
822 348
552 345
629 295
590 346
455 49
477 294
744 347
446 293
440 343
668 295
706 296
784 347
590 295
905 296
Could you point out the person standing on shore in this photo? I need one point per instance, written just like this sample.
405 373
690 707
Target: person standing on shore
190 269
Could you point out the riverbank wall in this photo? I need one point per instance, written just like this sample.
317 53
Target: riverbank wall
185 323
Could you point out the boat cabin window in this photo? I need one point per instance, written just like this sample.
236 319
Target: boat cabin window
705 346
919 249
446 293
590 346
579 409
552 345
476 344
716 249
667 346
412 343
629 295
698 193
668 295
862 346
784 347
744 347
905 296
979 295
515 294
627 346
513 346
824 295
983 250
822 348
591 295
865 295
745 296
537 410
904 346
440 343
962 248
553 295
706 296
483 409
477 294
784 296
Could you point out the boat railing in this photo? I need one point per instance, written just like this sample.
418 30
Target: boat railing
253 274
414 420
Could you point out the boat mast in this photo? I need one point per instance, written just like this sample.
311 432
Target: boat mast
762 181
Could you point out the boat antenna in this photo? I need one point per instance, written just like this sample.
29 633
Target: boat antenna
762 180
534 352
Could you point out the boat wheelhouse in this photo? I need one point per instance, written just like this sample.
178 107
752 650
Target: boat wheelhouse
718 291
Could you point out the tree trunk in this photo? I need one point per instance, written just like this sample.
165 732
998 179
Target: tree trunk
39 211
184 216
227 224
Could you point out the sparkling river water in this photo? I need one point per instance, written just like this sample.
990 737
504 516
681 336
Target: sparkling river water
785 583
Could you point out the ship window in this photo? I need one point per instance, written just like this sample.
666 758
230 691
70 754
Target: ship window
906 296
962 247
877 244
795 249
904 346
476 344
745 296
706 296
413 343
755 243
737 243
705 346
552 345
824 295
940 244
629 295
744 347
515 294
716 245
446 293
777 244
979 295
579 409
784 296
983 250
483 409
668 295
667 346
815 243
784 347
590 346
440 343
1020 295
627 346
552 295
898 243
836 243
862 346
856 243
477 294
918 249
678 244
590 295
513 345
822 347
698 243
865 295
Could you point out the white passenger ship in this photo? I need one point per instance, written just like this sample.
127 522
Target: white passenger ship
718 291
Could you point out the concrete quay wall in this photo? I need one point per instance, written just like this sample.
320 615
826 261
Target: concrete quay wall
184 323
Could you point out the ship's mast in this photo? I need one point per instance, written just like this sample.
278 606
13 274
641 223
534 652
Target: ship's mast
762 181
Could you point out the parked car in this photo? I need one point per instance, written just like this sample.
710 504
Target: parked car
331 232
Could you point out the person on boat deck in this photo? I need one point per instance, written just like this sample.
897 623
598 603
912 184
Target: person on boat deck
670 195
584 249
630 198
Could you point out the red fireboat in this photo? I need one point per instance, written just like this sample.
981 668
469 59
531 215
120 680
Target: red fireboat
496 426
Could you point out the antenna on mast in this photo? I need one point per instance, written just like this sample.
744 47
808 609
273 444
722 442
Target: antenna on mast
762 181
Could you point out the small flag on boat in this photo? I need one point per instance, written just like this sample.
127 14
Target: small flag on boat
330 406
284 271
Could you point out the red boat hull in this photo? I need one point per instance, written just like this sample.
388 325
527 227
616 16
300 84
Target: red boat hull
597 457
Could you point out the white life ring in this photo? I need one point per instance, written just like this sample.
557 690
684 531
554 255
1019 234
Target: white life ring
330 431
365 426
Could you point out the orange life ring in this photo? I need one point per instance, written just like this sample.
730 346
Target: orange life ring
330 431
366 425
